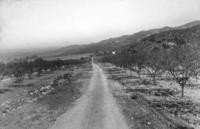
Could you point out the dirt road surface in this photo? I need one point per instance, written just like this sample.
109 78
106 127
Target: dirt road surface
96 109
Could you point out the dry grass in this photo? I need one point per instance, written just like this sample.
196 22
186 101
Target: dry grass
28 106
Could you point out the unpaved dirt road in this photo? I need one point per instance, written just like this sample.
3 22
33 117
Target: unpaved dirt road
96 109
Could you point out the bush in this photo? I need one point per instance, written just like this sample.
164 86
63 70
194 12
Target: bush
20 67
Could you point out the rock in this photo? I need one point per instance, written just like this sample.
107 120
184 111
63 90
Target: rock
149 123
133 96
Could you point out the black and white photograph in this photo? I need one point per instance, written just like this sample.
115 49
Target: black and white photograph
99 64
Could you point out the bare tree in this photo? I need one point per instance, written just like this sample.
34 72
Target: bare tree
154 65
1 70
137 59
183 63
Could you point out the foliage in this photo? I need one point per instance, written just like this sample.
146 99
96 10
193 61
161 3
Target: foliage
154 65
138 57
19 67
176 56
183 62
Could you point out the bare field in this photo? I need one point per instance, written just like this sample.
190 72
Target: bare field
148 106
36 103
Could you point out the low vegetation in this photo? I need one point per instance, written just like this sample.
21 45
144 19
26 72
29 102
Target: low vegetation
27 67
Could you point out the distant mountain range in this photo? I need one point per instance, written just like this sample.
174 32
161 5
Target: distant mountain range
167 39
118 43
189 35
191 31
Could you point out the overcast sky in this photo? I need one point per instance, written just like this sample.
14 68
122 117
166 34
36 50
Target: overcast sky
48 23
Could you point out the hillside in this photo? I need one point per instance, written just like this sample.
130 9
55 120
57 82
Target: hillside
109 44
166 40
120 42
189 30
188 25
188 35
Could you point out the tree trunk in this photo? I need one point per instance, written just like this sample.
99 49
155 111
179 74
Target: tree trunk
139 75
29 76
182 91
132 73
1 78
196 78
154 79
39 73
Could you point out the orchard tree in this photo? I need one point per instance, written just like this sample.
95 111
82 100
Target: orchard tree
16 69
18 74
39 65
154 64
138 58
183 62
2 67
